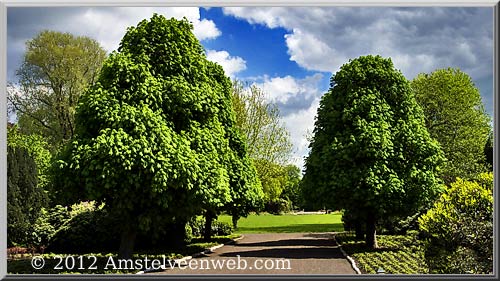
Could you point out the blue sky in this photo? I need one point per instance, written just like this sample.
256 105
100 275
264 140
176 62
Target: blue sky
291 52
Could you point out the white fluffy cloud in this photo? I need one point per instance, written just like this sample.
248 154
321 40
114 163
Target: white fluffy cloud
96 22
417 39
291 94
300 124
105 24
282 89
231 65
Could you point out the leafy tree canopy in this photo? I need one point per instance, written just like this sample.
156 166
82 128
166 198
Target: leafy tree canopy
371 152
56 68
155 138
456 118
266 137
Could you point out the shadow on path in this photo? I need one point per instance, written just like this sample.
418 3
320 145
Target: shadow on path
291 242
290 253
295 228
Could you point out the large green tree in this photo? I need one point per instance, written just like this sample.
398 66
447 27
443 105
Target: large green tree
154 136
456 118
266 137
55 70
371 153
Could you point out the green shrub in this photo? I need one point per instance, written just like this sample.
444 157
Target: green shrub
89 229
219 228
459 228
278 206
197 225
24 197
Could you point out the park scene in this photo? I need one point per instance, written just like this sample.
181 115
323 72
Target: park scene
156 150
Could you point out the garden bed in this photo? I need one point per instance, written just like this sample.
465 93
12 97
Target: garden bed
397 254
86 263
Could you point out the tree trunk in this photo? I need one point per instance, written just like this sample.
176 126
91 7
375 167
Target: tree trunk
358 228
127 243
235 221
371 238
209 216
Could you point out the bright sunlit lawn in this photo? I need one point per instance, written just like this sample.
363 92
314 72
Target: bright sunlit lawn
267 223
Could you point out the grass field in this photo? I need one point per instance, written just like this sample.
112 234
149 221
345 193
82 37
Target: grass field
267 223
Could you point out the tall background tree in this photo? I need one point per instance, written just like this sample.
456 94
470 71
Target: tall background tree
267 139
56 68
455 117
371 153
154 137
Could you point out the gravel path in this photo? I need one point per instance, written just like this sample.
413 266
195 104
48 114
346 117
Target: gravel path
307 253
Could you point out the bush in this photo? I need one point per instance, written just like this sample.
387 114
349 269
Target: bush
278 206
89 229
399 226
459 228
221 228
197 225
218 228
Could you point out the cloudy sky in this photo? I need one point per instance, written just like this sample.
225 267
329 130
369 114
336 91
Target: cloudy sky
292 52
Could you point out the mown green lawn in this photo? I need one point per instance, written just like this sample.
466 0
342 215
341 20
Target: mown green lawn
267 223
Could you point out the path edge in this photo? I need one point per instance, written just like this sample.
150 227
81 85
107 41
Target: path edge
186 258
351 260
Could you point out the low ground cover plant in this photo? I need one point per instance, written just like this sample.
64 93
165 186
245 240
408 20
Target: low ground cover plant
397 254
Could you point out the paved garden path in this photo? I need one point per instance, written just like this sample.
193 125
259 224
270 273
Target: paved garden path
308 253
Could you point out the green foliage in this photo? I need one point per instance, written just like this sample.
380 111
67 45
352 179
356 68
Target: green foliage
56 68
53 219
27 161
89 229
197 225
219 228
460 228
291 191
456 118
266 137
24 197
154 136
488 151
48 222
260 122
371 152
273 178
397 254
37 148
278 206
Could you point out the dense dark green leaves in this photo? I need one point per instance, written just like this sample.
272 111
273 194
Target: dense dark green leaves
28 158
155 136
371 152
